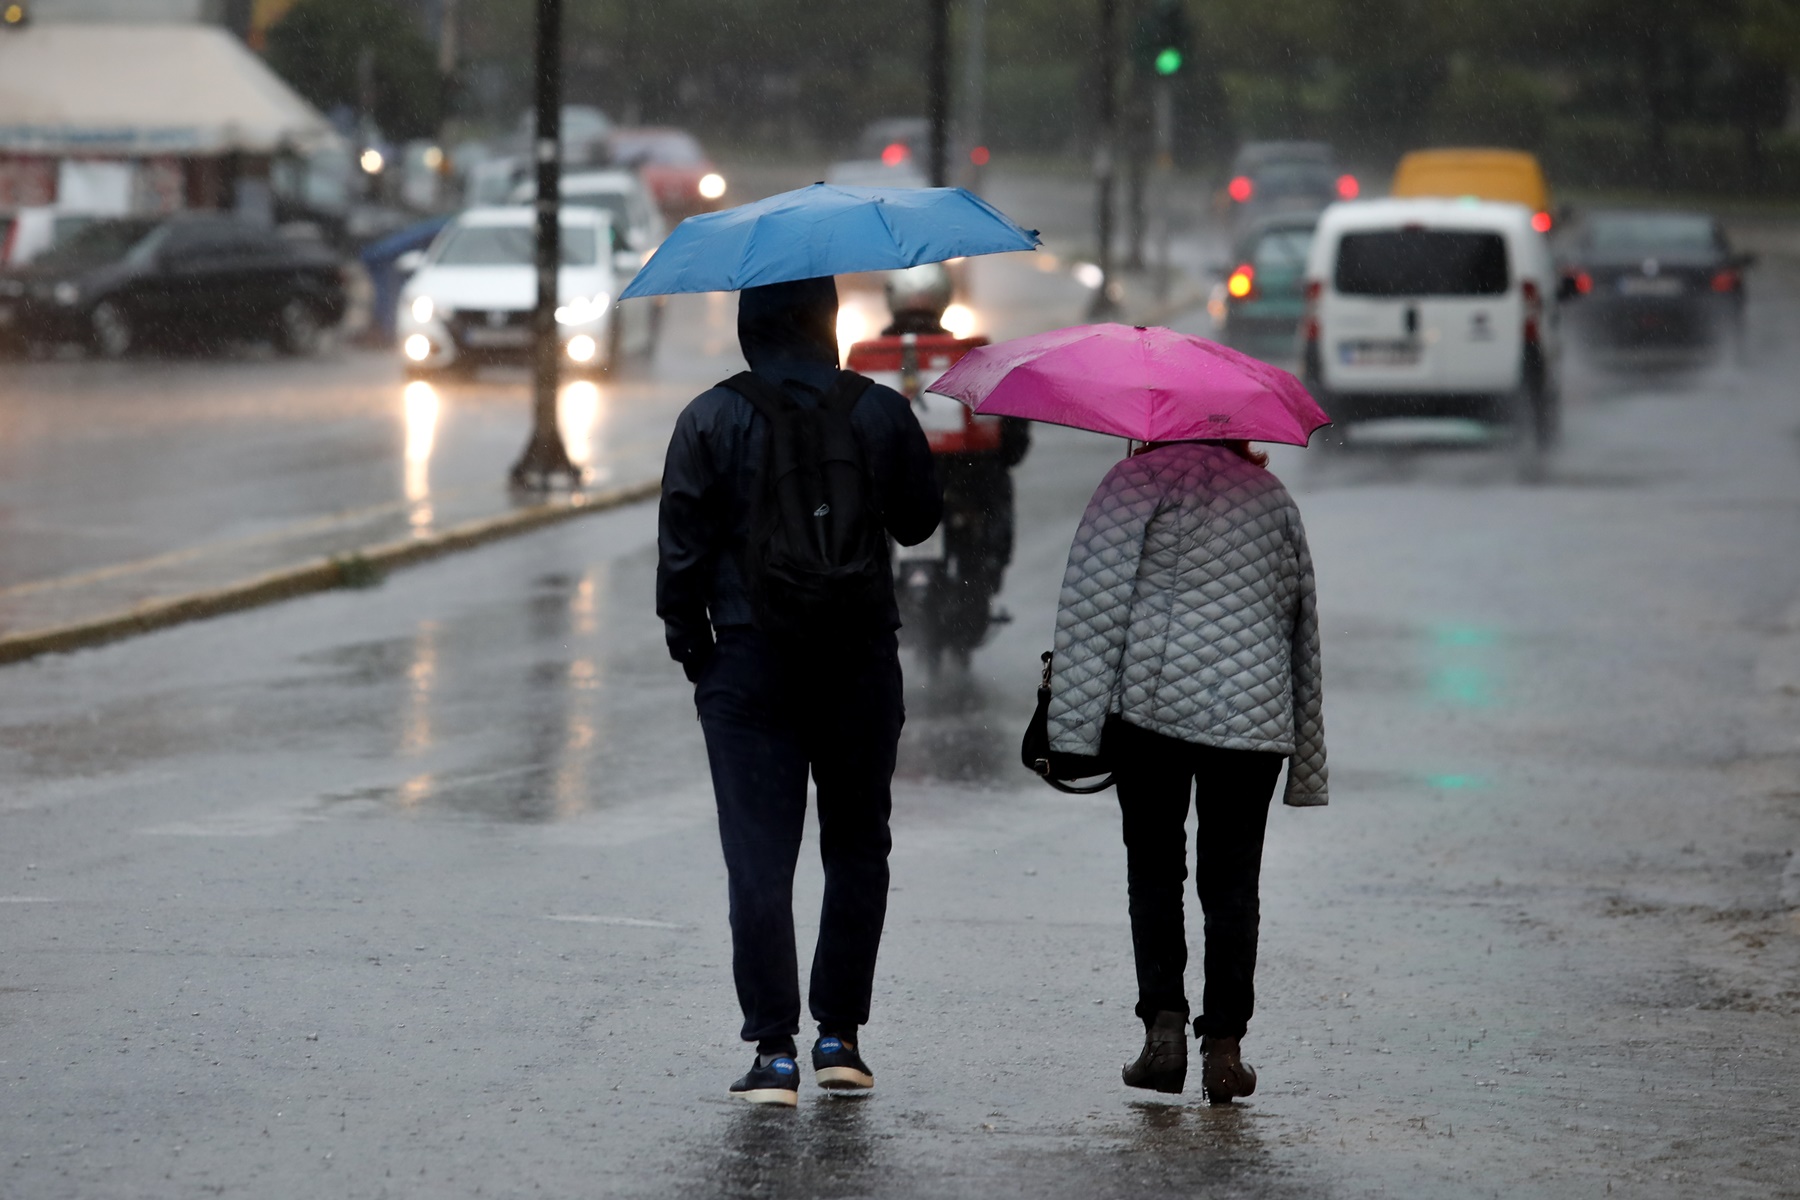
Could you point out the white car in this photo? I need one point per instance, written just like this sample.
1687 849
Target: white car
472 299
637 223
1433 308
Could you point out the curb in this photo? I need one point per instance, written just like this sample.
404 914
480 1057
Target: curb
319 575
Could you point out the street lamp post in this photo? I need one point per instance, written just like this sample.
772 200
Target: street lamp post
937 72
545 457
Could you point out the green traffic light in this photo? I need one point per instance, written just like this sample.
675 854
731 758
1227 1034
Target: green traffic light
1168 60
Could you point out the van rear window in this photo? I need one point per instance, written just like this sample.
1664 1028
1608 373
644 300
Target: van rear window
1422 262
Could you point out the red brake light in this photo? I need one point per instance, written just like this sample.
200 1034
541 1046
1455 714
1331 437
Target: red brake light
1242 283
1241 189
1540 221
1725 281
894 153
1309 327
1534 305
1584 283
979 156
1348 188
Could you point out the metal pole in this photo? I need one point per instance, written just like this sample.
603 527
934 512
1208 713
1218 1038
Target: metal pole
937 72
1103 304
545 456
1165 181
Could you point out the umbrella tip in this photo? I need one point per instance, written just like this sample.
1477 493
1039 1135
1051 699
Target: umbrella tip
1141 328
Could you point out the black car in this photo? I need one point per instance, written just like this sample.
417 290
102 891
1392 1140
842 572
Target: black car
1276 178
200 281
1653 279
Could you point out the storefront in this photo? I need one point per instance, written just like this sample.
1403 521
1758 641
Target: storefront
143 118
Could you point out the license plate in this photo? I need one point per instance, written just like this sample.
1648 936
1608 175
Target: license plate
497 338
1644 285
929 550
1379 353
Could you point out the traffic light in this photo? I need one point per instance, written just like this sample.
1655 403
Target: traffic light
1163 37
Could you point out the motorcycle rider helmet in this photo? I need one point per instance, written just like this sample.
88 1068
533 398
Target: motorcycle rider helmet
925 289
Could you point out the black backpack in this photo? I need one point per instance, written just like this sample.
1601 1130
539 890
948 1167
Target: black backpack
815 559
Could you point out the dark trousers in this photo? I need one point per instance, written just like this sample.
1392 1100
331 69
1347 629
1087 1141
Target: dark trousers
769 716
1157 775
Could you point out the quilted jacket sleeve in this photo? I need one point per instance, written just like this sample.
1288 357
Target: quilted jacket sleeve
1094 610
1306 783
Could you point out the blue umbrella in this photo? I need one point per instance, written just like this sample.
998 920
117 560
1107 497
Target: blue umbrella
825 230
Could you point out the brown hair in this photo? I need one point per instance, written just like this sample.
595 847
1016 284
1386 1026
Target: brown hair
1242 450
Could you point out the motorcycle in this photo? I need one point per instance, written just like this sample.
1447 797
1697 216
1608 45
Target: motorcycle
945 585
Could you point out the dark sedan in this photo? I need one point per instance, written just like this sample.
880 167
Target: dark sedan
198 281
1651 279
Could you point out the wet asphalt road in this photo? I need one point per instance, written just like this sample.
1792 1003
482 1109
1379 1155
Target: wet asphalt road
415 891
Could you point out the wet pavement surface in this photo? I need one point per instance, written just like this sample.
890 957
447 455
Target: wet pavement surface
416 891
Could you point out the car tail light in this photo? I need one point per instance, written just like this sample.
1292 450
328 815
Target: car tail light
1241 189
1309 324
1241 284
1584 283
1541 222
894 153
1726 281
1534 309
1348 188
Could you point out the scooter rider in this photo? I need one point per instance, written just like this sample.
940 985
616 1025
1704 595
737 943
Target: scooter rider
978 487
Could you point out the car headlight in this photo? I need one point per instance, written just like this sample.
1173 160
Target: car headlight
712 185
66 293
422 308
582 309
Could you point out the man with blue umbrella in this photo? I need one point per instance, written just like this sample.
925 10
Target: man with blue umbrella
780 490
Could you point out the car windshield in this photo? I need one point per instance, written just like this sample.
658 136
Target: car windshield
98 242
510 246
661 149
1282 251
1652 233
614 204
1422 262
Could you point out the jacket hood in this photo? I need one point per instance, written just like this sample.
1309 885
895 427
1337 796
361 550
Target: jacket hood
789 322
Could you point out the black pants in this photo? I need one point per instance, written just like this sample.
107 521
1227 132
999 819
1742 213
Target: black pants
768 717
1156 777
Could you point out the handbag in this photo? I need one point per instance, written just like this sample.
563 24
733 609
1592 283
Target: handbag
1059 769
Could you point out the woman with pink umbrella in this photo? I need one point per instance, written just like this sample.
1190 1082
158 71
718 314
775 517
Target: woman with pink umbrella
1187 646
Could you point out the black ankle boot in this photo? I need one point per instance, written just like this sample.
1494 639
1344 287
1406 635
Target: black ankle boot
1162 1067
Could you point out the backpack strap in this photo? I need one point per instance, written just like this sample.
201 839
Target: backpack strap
764 396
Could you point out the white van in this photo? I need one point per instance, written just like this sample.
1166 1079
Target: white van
1433 308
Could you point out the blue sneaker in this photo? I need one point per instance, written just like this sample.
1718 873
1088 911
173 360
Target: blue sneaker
772 1080
838 1067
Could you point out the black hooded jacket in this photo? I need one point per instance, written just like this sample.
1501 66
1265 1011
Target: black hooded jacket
788 333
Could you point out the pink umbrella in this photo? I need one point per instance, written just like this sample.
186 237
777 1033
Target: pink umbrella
1150 385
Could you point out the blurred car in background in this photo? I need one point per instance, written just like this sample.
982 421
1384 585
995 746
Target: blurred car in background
677 171
1257 307
1508 176
1271 178
583 131
637 224
896 141
196 280
472 299
1665 278
1433 308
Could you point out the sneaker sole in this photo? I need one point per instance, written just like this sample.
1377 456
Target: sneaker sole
786 1097
843 1079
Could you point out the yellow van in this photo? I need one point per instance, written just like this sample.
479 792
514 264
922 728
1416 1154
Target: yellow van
1507 175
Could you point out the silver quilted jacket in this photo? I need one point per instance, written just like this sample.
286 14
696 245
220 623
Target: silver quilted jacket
1188 610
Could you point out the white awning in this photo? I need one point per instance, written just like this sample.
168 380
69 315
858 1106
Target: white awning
145 90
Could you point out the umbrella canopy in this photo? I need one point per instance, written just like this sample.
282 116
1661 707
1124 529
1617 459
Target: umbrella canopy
1147 384
825 230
